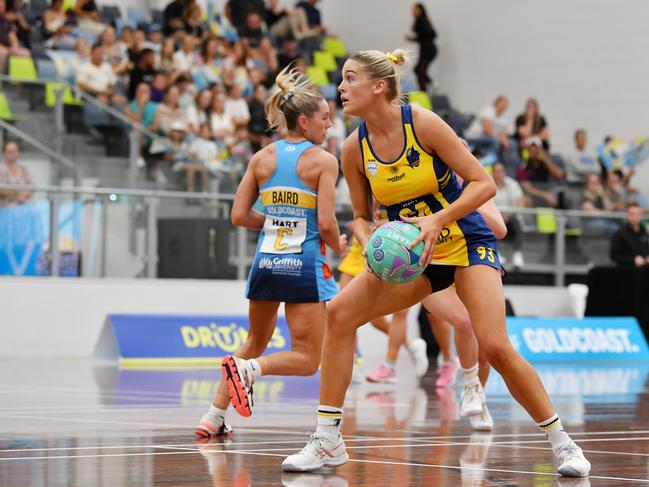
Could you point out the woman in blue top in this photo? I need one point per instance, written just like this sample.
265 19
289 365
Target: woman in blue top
295 181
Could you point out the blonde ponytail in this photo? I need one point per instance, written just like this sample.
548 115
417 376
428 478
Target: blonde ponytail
386 66
295 95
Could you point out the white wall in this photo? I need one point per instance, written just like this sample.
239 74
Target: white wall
44 317
587 61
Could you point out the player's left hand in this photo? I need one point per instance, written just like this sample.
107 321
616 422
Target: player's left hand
430 229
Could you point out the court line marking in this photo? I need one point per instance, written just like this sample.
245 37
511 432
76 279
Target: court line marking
355 460
197 447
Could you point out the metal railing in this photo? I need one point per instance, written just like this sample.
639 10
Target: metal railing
240 253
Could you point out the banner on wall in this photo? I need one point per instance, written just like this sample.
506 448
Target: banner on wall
571 339
181 340
24 239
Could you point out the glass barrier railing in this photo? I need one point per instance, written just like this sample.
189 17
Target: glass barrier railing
103 232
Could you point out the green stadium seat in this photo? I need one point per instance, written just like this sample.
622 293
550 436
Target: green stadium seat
421 99
68 95
317 75
325 60
5 110
23 68
335 46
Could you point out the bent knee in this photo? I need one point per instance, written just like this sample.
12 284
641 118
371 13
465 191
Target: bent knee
338 319
498 355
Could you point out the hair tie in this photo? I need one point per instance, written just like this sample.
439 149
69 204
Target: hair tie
288 95
391 57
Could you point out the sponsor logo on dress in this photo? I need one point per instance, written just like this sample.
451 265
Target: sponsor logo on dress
289 148
282 265
265 263
372 167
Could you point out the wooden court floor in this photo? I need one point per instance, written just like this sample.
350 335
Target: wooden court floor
73 423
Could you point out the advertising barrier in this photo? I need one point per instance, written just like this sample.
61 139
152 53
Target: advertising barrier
572 339
182 340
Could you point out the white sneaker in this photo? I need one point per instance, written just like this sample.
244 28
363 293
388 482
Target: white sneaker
517 259
571 461
472 400
419 353
482 421
320 451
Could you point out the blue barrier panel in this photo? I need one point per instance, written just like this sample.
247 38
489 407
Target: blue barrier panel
168 340
570 339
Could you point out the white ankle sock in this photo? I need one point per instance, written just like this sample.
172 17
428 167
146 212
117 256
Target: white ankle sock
471 375
391 364
329 419
553 429
256 368
216 412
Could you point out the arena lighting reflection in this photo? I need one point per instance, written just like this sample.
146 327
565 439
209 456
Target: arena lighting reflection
608 383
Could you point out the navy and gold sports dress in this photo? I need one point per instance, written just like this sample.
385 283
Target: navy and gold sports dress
418 183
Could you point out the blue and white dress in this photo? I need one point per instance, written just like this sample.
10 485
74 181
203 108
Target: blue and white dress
290 264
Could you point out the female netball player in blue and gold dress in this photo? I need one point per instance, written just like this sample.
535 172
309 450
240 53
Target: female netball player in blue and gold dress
295 180
407 158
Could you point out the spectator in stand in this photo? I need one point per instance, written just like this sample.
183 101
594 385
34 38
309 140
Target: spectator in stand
192 23
165 59
15 15
211 61
180 159
253 32
53 19
239 10
186 57
258 125
155 38
142 110
143 72
313 16
236 106
538 175
424 35
139 44
11 172
509 194
198 113
116 54
159 87
203 149
289 53
169 112
530 123
97 78
277 20
9 45
87 14
311 38
186 92
615 191
220 121
264 59
487 134
172 18
580 164
595 200
630 244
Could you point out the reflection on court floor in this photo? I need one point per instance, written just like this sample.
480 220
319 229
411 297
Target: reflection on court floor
72 423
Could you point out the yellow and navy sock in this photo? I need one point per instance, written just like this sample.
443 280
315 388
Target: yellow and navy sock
554 431
329 419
